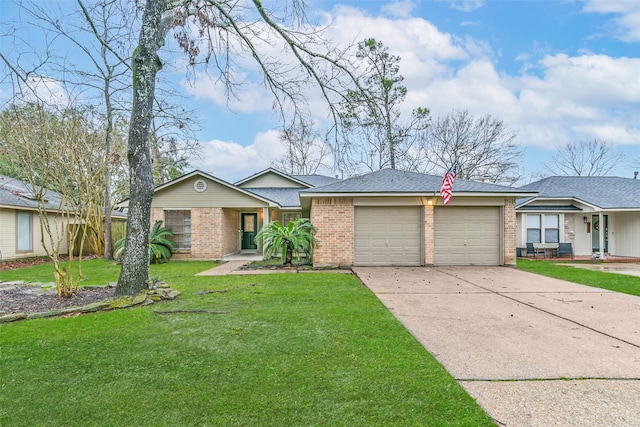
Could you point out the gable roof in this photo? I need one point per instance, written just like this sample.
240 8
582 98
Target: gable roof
393 181
214 179
605 192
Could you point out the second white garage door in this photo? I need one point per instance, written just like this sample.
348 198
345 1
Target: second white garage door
467 236
388 235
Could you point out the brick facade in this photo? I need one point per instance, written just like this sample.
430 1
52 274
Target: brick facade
333 217
509 231
214 232
429 235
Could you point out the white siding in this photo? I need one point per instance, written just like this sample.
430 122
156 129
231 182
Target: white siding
624 238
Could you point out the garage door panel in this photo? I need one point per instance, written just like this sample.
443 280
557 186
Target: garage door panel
467 236
388 235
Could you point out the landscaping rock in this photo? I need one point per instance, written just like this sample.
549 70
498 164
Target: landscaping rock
12 317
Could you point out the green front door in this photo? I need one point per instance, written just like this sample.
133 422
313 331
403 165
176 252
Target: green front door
249 230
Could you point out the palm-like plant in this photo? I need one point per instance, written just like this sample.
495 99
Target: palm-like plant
296 238
159 244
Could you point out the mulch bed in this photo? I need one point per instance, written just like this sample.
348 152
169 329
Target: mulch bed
26 299
29 299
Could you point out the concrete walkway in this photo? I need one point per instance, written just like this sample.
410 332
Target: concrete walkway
533 351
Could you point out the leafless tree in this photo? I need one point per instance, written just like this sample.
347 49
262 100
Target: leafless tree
226 31
305 153
375 134
484 148
585 158
102 34
55 150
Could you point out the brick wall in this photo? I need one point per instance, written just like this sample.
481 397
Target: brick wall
429 235
333 218
510 231
157 214
229 231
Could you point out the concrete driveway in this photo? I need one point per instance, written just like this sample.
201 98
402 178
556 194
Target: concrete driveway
533 351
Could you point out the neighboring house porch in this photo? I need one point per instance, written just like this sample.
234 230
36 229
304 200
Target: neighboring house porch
599 216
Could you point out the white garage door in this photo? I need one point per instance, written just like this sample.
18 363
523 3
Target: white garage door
388 235
467 236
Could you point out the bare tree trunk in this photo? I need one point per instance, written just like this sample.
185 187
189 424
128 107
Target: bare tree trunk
108 235
134 275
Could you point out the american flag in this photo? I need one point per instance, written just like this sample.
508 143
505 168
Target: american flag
447 184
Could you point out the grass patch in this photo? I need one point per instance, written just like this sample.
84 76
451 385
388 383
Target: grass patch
96 272
313 349
598 279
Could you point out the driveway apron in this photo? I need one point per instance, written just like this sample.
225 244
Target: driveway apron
532 350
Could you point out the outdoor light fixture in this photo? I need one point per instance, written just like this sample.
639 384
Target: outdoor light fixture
430 201
584 218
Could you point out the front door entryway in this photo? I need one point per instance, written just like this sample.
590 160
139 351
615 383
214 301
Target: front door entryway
595 235
249 230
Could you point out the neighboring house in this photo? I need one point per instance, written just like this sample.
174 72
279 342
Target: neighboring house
20 232
211 218
387 217
598 215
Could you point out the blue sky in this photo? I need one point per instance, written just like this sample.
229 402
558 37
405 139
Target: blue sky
554 71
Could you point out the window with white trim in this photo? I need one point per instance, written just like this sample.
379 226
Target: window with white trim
543 228
25 231
551 228
179 222
534 234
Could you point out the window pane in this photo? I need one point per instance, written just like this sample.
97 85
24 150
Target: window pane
551 235
249 223
179 222
291 216
24 231
533 221
551 221
533 235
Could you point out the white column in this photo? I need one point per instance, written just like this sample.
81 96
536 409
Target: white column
601 234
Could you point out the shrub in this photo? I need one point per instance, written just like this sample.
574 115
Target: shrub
160 246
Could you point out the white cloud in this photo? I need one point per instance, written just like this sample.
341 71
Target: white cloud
46 90
550 102
627 20
231 161
467 5
399 8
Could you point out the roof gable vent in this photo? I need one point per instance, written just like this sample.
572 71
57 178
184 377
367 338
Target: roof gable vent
200 185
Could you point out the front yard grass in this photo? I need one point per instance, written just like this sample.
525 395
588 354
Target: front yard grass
598 279
289 349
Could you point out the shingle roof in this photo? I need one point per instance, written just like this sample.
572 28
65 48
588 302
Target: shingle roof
285 197
14 192
315 180
606 192
397 181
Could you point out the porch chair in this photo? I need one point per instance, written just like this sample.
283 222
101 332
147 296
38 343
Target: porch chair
565 249
532 250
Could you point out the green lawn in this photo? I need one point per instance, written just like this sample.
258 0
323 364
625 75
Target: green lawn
598 279
292 349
